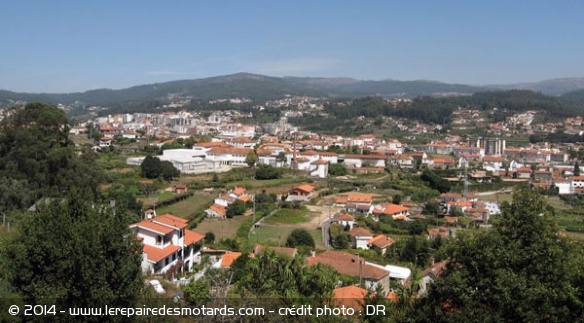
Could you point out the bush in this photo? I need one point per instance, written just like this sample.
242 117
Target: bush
300 237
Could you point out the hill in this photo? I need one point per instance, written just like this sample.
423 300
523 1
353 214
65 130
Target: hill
574 96
550 87
258 88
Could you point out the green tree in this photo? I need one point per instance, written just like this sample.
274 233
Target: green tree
168 171
521 271
38 158
236 208
264 172
73 253
251 159
337 170
300 237
209 237
152 167
197 292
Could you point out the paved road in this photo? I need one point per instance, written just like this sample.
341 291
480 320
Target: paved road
325 225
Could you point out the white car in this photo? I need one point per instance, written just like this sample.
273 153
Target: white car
157 286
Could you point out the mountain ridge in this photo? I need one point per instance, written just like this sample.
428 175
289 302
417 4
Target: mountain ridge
259 87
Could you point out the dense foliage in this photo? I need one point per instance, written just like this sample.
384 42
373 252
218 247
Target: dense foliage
521 271
37 158
152 167
73 253
300 237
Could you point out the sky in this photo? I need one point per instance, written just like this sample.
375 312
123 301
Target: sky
72 46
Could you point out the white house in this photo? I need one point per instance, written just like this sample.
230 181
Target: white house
345 219
167 243
364 160
360 237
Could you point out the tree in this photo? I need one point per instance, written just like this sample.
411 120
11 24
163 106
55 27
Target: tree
152 167
236 208
209 237
74 253
300 237
337 170
436 182
197 292
168 171
38 158
396 199
521 271
251 159
264 172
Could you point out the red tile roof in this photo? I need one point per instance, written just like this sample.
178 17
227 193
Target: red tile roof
154 227
349 296
360 232
155 254
306 188
192 237
346 264
171 220
381 241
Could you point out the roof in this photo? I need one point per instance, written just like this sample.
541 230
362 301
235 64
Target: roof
360 232
229 257
155 254
451 219
245 198
381 241
345 217
349 296
306 188
192 237
154 227
350 156
218 209
435 269
347 264
394 208
229 150
238 191
359 198
171 220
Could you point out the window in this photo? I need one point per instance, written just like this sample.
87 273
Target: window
158 240
180 233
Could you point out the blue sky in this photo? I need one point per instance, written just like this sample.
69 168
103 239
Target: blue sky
65 46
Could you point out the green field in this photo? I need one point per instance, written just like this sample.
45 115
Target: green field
269 235
222 229
187 208
289 216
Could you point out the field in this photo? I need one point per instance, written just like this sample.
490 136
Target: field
222 229
270 235
194 204
289 216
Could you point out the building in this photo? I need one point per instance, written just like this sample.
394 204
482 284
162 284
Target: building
167 243
302 193
380 243
353 265
360 237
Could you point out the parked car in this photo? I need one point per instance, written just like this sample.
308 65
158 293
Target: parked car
157 286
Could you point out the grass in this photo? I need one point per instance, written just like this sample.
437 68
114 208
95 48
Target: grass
222 229
289 216
187 208
269 235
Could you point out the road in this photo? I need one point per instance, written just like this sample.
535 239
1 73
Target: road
325 226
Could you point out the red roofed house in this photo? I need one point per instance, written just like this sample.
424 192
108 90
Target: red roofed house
359 203
360 237
301 193
347 264
345 219
166 243
397 212
349 297
380 243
